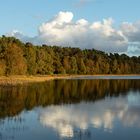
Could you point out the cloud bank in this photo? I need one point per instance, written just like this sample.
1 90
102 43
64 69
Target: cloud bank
101 35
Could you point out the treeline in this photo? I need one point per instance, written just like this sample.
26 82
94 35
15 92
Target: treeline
18 58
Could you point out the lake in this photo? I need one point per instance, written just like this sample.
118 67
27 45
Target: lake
88 108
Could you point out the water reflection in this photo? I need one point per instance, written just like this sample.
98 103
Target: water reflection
14 99
12 126
101 114
71 109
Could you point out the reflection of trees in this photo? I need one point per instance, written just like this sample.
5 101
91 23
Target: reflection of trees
13 99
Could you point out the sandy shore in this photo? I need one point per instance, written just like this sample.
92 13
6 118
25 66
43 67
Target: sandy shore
13 80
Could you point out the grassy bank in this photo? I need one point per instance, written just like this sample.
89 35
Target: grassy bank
13 80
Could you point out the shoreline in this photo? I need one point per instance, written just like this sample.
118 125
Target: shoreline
22 79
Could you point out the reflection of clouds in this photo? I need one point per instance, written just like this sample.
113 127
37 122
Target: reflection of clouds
134 99
131 116
105 120
53 117
102 114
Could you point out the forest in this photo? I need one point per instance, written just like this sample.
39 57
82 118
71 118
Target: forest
18 58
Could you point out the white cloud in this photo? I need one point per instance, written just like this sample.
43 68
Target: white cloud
132 33
101 35
134 49
21 36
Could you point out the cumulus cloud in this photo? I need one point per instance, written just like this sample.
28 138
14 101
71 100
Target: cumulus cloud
101 35
101 114
61 30
21 36
132 33
134 49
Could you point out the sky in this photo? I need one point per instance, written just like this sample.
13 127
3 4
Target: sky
108 25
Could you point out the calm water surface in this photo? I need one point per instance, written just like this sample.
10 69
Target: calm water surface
107 108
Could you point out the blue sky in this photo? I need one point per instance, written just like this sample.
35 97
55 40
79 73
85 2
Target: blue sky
28 16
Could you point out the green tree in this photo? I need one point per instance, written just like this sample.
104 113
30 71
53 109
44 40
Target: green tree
30 55
74 67
2 67
15 62
81 67
66 64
